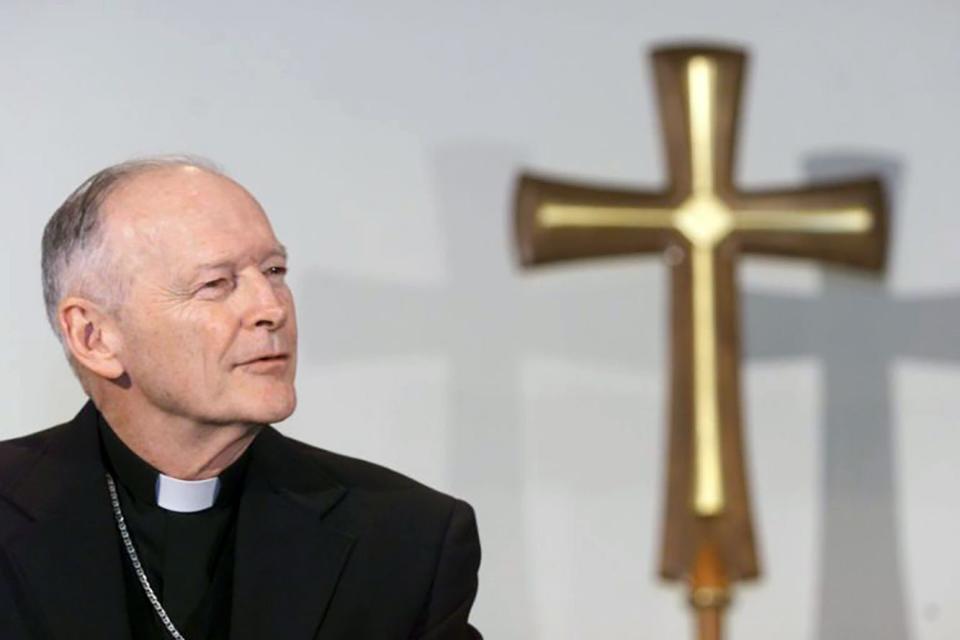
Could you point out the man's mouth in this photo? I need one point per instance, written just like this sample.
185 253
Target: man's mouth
273 358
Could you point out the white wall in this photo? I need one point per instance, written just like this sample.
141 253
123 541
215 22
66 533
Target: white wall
383 138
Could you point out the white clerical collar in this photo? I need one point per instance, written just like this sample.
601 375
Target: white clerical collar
186 496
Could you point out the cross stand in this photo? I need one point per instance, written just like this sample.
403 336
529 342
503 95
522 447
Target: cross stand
703 223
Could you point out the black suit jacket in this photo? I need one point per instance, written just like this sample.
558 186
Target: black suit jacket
327 547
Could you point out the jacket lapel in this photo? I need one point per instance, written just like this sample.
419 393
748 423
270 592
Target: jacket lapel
287 560
69 557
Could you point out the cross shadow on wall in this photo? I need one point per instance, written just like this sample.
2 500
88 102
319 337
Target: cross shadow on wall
858 328
482 322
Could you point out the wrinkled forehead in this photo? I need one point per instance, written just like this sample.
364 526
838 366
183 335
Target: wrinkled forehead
183 215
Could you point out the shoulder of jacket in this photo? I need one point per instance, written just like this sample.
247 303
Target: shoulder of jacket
354 473
19 455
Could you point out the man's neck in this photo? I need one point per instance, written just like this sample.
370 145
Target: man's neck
176 446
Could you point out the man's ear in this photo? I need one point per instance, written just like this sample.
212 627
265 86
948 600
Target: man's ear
91 335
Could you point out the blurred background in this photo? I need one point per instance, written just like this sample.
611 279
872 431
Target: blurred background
383 139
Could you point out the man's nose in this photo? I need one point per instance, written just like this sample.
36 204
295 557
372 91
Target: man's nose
268 308
272 317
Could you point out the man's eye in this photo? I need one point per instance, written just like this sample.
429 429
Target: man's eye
276 271
215 284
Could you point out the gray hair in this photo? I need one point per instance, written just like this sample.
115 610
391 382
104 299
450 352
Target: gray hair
74 256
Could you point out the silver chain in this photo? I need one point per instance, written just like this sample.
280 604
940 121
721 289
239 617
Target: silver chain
137 567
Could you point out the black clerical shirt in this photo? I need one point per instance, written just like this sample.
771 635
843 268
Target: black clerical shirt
187 557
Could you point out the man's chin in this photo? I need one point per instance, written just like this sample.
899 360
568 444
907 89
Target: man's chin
271 409
279 412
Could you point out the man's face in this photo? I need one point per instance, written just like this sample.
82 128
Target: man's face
207 325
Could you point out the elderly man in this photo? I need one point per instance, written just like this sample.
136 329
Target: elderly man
168 507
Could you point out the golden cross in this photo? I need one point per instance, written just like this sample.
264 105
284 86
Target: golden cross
703 222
